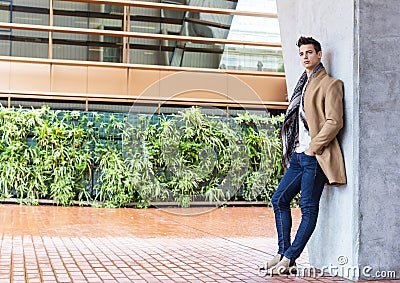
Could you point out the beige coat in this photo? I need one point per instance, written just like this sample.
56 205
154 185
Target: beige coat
323 106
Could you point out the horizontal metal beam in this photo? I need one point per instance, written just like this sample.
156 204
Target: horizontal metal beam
127 98
142 4
136 66
134 35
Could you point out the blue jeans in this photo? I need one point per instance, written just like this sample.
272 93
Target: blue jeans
305 176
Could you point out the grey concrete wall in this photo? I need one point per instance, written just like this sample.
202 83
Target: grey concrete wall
331 23
379 134
361 42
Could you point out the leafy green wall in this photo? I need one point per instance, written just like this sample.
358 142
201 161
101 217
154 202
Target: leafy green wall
111 160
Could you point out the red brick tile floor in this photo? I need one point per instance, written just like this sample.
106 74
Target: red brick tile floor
82 244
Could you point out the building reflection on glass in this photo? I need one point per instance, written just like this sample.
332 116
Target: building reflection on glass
148 51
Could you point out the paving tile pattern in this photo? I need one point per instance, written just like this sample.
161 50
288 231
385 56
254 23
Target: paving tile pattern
76 244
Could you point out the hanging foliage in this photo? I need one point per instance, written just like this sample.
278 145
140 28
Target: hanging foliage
113 160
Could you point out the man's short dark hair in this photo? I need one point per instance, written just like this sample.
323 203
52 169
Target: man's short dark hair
309 40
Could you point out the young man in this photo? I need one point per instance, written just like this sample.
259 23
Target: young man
311 153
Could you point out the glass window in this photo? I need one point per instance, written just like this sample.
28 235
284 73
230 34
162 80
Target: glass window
83 15
29 44
148 52
30 12
264 6
4 45
24 43
172 22
67 14
30 3
112 49
5 12
70 46
97 48
101 48
255 29
87 47
207 25
146 20
5 34
224 4
252 58
201 55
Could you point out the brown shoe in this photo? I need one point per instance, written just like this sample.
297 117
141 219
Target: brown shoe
269 264
283 268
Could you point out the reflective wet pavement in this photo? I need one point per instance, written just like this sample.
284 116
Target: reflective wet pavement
81 244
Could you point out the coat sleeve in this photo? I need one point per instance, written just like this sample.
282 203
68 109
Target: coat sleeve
333 117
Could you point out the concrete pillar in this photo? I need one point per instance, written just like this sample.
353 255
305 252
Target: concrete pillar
359 223
379 108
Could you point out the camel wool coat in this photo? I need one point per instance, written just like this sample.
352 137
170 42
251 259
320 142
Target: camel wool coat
323 106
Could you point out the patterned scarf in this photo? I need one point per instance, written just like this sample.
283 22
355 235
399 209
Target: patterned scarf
290 127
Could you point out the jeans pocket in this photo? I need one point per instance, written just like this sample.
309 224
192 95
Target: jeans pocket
310 156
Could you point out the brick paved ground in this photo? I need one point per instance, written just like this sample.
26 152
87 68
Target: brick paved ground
77 244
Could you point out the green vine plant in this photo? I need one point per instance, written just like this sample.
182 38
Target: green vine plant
17 158
115 160
191 155
264 148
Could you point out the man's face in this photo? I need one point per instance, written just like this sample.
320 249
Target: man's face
309 58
